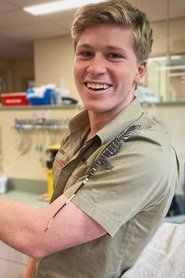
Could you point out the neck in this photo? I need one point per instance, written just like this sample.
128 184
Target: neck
97 122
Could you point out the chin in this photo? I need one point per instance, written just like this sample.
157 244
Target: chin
97 109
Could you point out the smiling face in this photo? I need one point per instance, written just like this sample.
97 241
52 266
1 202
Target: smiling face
105 69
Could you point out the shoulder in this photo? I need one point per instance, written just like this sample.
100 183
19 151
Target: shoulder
152 134
149 150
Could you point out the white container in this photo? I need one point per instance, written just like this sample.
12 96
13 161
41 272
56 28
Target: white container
3 184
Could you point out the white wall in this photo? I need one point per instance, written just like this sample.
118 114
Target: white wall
53 59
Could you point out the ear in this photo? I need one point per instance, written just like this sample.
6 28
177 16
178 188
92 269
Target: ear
141 71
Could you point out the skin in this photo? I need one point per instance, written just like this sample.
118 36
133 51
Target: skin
110 61
26 232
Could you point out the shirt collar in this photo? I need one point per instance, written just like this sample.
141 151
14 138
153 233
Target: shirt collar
123 120
79 124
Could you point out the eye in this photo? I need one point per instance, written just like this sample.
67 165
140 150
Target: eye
84 54
114 56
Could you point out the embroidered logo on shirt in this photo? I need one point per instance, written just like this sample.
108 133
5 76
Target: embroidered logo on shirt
62 151
61 162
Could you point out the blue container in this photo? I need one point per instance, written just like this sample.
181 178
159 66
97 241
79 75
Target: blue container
34 99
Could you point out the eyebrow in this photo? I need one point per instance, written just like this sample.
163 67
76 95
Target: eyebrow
85 45
109 47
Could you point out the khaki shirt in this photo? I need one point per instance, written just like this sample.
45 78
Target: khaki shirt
129 198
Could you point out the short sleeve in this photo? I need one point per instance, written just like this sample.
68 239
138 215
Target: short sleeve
142 174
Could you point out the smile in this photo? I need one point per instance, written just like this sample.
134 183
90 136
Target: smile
96 86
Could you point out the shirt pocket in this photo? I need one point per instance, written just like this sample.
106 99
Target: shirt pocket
77 174
58 164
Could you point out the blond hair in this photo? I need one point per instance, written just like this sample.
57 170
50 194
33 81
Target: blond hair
118 12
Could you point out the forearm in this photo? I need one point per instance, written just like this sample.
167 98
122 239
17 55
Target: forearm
19 224
24 227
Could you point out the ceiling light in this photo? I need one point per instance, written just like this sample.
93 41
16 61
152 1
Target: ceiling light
175 57
57 6
176 74
165 58
154 59
172 67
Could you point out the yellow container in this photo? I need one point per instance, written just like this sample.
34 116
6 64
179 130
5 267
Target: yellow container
52 150
50 182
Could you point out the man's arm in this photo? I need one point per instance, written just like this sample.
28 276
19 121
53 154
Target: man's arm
23 227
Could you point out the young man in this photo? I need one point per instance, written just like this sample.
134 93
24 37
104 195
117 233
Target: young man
116 171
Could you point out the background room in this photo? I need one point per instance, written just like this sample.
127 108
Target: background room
36 52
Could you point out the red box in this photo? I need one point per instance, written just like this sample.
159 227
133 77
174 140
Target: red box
14 99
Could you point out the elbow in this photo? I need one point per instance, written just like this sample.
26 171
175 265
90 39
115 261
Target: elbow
34 249
35 252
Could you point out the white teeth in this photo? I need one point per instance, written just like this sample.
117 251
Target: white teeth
97 86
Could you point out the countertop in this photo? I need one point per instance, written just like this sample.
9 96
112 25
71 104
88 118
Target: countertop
25 197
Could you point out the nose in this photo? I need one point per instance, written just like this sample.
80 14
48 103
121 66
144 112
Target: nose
97 65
